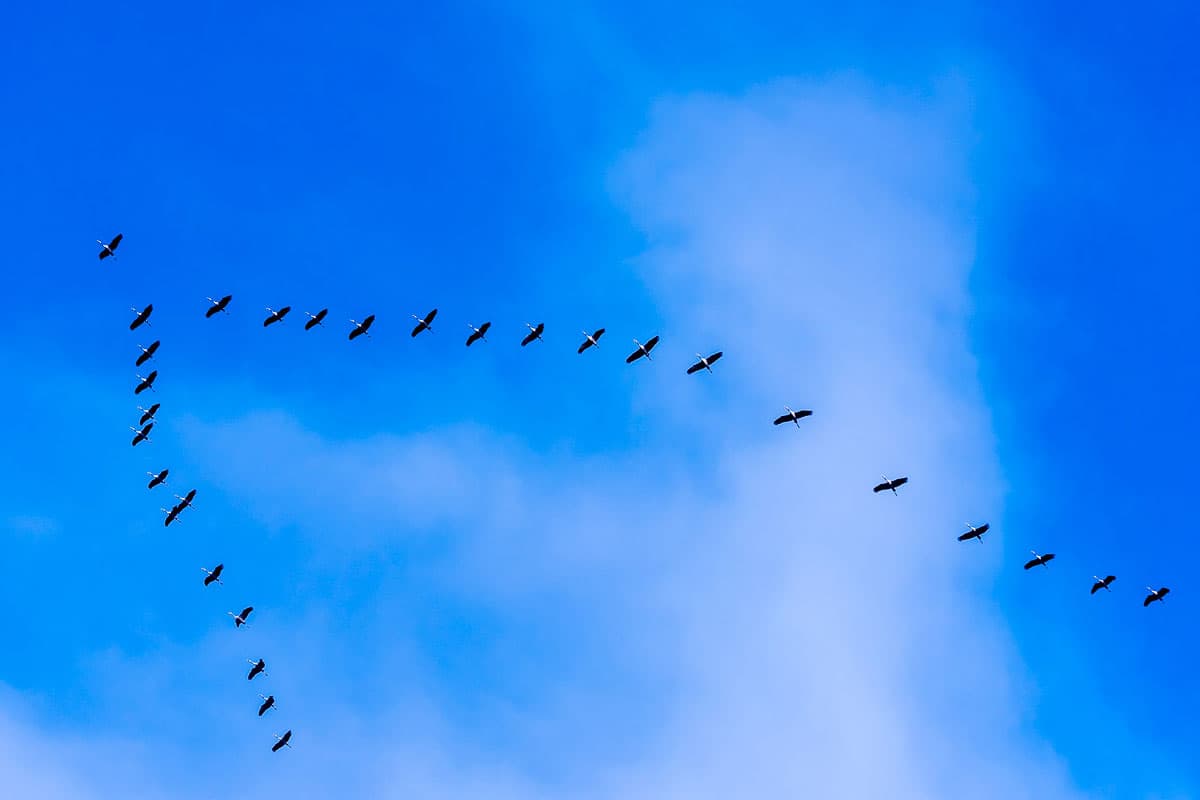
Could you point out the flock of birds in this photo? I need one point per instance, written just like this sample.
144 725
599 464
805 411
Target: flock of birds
478 333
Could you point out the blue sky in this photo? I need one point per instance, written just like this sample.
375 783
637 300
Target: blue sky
961 235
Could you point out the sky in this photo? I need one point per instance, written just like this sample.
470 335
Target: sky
960 233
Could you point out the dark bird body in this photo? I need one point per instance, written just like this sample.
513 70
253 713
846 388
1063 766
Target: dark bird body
143 316
142 435
240 619
975 532
315 319
282 741
259 667
793 416
110 249
535 332
361 327
276 316
267 703
1102 583
1039 560
218 305
591 339
213 575
148 413
705 362
186 500
172 515
893 484
1155 594
147 353
146 382
478 333
642 349
155 480
423 323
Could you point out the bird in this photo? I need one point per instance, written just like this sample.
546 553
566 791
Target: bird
362 327
642 350
478 333
591 339
1155 594
535 332
424 323
1102 583
705 363
110 249
268 702
974 532
147 353
1039 560
143 316
890 483
281 742
146 382
143 435
240 619
260 666
276 316
186 501
172 515
155 480
315 319
793 416
148 413
213 575
218 305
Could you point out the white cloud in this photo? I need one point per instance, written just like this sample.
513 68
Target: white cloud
811 638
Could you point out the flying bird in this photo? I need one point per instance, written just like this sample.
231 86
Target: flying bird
143 435
218 305
642 350
268 702
184 502
142 316
213 575
974 532
535 332
705 363
1039 560
147 353
1155 594
793 416
110 249
172 515
281 742
1102 583
315 319
362 327
423 323
591 339
155 480
148 413
275 316
146 382
240 619
260 666
890 483
478 333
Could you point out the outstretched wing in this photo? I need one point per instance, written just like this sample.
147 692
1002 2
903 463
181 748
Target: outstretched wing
715 357
782 419
529 337
634 356
1033 562
694 368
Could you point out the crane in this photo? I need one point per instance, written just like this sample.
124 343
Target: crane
281 742
275 316
186 501
268 702
213 575
478 333
147 353
260 667
1102 583
155 480
1039 560
240 619
1155 594
975 533
535 332
890 483
642 350
424 323
148 413
591 339
110 249
141 317
143 435
705 362
218 306
172 515
146 382
793 416
362 327
315 319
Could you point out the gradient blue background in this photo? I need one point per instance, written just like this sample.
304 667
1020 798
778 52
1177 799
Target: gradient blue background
378 159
